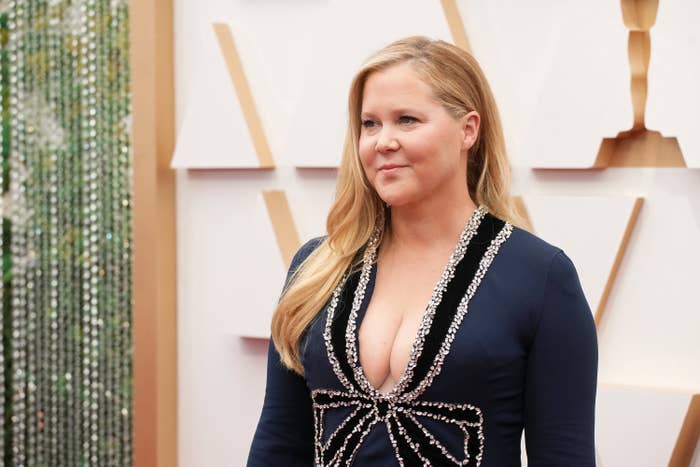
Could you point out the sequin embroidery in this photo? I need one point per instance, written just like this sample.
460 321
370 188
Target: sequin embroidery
412 442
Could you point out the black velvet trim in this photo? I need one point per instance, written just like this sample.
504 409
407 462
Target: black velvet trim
339 325
427 449
410 458
444 314
351 432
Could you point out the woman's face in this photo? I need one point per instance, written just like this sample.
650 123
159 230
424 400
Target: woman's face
411 148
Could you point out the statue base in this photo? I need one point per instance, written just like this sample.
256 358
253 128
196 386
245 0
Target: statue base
639 148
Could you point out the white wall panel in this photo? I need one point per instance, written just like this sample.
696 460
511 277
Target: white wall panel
652 418
559 71
273 41
214 133
674 74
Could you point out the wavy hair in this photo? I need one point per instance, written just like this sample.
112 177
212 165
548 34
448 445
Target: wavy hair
459 84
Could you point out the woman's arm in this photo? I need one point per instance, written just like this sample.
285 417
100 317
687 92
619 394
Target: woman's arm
560 386
284 436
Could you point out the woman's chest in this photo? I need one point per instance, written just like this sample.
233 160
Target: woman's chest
390 322
487 352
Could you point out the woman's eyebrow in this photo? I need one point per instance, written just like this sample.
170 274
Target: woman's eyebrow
396 111
405 110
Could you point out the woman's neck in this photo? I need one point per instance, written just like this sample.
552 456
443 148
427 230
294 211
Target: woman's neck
420 228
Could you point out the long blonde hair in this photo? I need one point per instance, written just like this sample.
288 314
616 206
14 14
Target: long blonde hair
460 86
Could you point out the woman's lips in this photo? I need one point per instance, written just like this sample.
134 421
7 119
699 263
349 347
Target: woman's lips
390 168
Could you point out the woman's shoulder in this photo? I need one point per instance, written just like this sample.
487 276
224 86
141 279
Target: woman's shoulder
543 277
527 248
527 255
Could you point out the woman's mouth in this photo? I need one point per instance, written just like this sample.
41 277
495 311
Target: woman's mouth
390 168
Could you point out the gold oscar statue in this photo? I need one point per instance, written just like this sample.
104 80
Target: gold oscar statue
639 146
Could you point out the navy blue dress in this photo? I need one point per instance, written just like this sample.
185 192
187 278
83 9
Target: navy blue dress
507 343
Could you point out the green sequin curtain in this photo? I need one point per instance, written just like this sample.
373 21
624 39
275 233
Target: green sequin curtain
66 370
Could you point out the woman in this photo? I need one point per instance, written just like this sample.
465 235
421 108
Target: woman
362 371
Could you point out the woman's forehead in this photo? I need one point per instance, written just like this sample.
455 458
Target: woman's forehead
395 85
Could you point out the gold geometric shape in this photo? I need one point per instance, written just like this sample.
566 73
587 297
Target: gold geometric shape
283 224
631 222
639 15
689 436
639 53
643 148
245 98
454 21
155 364
639 146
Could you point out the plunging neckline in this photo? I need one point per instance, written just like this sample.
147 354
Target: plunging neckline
398 409
357 318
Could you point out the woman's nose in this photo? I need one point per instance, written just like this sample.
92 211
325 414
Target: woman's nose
386 141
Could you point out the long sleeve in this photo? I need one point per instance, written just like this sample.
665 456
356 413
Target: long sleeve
284 436
560 386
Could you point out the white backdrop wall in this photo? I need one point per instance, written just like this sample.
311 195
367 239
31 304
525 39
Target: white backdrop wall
561 76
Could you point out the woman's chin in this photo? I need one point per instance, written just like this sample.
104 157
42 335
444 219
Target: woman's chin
397 195
396 200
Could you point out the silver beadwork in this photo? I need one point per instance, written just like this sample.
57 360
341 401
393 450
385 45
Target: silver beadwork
385 408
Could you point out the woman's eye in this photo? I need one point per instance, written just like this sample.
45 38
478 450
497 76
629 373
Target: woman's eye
368 123
407 119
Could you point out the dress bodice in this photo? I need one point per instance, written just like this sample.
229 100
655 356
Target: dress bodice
507 343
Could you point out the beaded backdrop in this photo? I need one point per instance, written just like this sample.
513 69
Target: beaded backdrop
66 372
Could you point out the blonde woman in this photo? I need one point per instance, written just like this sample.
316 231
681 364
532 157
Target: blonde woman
426 328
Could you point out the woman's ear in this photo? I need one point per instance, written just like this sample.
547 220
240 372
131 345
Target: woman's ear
470 129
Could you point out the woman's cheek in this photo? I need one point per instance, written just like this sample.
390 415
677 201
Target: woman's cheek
366 157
